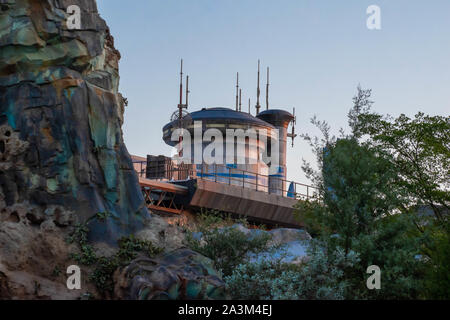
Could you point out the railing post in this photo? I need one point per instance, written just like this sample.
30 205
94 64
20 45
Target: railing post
257 181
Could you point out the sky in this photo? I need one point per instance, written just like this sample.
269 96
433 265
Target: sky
318 52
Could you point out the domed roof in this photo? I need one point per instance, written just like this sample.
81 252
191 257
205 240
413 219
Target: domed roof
276 117
223 116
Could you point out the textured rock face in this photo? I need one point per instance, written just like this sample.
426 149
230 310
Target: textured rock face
180 274
34 253
60 117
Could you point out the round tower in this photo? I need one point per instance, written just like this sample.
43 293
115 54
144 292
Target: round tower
280 119
252 172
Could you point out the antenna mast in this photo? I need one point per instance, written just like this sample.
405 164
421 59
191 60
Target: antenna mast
249 111
258 91
187 92
182 106
237 91
240 100
293 135
267 90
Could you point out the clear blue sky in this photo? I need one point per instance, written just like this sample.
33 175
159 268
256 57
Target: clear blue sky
318 52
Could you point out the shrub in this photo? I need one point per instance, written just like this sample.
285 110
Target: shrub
209 219
104 267
227 247
102 276
319 278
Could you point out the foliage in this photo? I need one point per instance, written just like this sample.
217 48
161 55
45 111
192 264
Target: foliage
211 218
438 265
128 246
363 193
394 247
208 218
104 267
86 256
420 150
320 278
102 276
361 105
227 247
357 214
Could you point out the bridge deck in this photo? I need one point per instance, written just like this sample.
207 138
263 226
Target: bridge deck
259 206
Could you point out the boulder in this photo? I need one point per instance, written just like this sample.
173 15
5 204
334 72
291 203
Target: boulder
180 274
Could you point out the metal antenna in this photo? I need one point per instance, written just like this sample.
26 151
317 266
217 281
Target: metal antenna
237 91
187 92
240 100
267 90
293 135
180 105
249 110
258 91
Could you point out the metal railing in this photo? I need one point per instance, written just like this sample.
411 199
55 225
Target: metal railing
246 179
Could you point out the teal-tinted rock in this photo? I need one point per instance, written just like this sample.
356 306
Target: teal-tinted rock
59 96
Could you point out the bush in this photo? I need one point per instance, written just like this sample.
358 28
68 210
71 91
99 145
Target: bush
319 278
227 247
209 219
104 267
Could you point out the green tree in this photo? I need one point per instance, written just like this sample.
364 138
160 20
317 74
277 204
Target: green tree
358 214
419 149
365 208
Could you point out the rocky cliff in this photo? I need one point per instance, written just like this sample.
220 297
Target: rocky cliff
61 115
62 156
68 191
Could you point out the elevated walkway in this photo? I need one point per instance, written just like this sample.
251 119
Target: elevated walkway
212 189
258 206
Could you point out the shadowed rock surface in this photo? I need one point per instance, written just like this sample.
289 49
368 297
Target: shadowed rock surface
61 115
180 274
